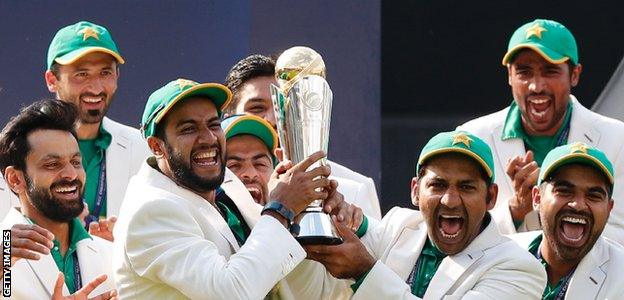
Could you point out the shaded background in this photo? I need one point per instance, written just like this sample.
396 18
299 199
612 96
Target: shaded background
400 71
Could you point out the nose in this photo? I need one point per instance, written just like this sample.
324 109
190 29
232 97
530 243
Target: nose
451 198
536 84
248 172
578 203
270 117
69 172
207 136
96 85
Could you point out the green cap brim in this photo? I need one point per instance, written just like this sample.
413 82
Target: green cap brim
75 55
257 127
220 96
580 158
467 152
548 54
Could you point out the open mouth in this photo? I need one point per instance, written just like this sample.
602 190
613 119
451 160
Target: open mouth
205 158
450 226
573 230
255 191
66 191
539 107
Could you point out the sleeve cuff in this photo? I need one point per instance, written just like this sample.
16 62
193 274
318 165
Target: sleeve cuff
359 281
363 228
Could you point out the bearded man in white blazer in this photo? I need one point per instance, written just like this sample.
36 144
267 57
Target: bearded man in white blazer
51 252
83 69
188 227
451 248
543 66
249 80
573 197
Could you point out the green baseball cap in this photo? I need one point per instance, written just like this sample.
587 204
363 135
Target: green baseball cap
75 41
252 125
576 153
553 41
459 142
162 100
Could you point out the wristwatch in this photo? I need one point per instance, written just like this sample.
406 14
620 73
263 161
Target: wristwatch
279 208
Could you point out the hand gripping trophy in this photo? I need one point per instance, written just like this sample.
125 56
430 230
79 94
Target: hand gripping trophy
302 104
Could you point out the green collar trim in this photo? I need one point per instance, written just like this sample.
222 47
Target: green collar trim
103 140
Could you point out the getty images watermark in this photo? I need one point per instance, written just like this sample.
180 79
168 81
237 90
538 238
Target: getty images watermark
6 263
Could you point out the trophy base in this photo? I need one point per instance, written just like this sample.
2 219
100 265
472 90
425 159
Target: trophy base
316 228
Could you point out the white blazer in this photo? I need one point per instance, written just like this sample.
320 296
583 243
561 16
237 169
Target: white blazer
585 126
7 198
127 151
365 194
35 279
597 276
172 244
491 267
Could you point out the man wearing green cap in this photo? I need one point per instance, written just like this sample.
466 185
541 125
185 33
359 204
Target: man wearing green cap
451 247
188 227
249 80
543 65
573 198
83 68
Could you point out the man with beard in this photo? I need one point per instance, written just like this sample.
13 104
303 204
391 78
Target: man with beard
450 248
574 201
41 162
186 232
249 80
543 66
83 69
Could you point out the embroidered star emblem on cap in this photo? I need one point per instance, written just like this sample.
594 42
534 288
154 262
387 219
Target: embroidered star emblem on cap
535 30
578 147
462 138
182 83
89 32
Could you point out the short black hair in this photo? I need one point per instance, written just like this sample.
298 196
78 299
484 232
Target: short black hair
44 114
248 68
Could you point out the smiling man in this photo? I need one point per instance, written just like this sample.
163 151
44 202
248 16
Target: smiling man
543 66
83 69
573 197
42 164
450 248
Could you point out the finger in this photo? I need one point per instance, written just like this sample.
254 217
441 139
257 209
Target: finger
531 179
33 227
319 195
112 219
528 157
26 254
306 163
28 244
94 227
522 174
323 183
108 295
281 168
58 286
358 218
92 285
511 166
324 171
344 231
335 200
279 154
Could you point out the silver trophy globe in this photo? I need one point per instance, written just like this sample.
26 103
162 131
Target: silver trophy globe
302 105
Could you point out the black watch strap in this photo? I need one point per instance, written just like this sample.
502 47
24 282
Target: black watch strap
279 208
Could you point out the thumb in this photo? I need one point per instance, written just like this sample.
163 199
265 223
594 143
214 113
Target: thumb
58 286
94 227
343 230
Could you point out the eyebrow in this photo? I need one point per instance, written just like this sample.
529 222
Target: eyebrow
257 156
58 156
563 183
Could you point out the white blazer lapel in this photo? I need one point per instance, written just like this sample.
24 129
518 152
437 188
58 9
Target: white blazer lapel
90 265
216 220
46 271
404 253
505 150
236 190
581 126
117 170
588 277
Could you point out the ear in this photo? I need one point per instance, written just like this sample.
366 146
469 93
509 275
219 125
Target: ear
51 81
576 75
537 197
156 145
492 194
279 153
414 192
610 204
15 180
509 74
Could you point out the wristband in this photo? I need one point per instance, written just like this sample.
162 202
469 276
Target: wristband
279 208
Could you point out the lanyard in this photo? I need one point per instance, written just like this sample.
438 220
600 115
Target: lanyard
100 194
566 280
412 276
77 276
563 137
